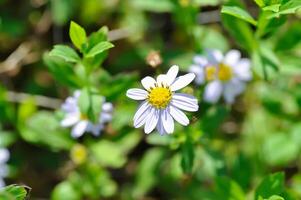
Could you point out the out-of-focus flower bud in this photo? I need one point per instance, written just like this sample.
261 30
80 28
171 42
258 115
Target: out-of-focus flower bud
78 154
154 59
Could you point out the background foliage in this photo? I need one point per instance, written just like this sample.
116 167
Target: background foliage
49 48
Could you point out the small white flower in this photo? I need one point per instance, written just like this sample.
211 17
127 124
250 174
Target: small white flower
79 121
4 156
226 75
161 105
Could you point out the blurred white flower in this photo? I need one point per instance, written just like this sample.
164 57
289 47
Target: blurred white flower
4 156
226 75
161 105
79 121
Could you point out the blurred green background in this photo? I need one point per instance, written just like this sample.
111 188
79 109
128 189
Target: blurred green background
250 150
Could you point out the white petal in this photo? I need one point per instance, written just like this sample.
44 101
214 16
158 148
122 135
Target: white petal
185 97
232 57
137 94
2 183
172 74
178 115
141 114
162 80
199 73
215 56
70 119
151 121
213 91
70 105
167 121
95 129
182 81
160 127
4 155
107 107
4 170
148 82
243 69
187 106
233 89
105 117
79 129
200 60
76 94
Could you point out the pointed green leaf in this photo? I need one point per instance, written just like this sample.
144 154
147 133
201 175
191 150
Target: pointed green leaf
271 185
65 52
239 13
77 34
99 48
14 192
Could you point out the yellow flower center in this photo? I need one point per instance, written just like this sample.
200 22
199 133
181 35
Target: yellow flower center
83 116
210 73
224 72
159 97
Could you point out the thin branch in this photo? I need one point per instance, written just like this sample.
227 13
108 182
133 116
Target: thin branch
118 34
43 101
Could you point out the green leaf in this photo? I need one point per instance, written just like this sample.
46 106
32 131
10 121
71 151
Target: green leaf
265 63
7 138
44 129
290 38
100 36
274 155
77 34
260 3
274 8
271 185
241 31
65 52
84 101
115 158
14 192
229 189
65 190
275 197
154 5
239 13
62 71
62 10
187 156
289 7
99 48
147 172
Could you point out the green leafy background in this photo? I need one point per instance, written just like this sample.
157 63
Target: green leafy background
50 48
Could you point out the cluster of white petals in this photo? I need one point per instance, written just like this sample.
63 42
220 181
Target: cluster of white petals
4 157
161 105
80 122
225 75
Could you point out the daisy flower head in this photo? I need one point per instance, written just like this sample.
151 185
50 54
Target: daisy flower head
4 157
79 121
161 105
225 75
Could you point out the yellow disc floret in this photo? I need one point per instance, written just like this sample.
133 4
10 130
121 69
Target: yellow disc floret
224 72
210 73
159 97
83 116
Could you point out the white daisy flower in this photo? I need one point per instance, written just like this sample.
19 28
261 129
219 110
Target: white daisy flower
225 75
80 121
160 104
4 156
